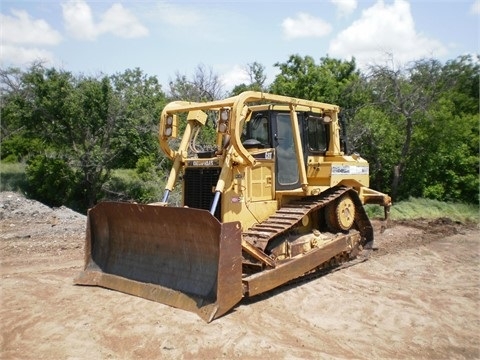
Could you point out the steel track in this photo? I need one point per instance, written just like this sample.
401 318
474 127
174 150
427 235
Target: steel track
289 215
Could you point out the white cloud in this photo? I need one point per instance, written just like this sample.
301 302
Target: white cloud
345 7
384 29
475 8
20 55
78 20
175 15
22 29
22 36
305 25
117 20
235 76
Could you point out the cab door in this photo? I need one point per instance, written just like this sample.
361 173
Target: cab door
287 170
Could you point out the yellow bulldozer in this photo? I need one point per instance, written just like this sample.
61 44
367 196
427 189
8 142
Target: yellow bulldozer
269 194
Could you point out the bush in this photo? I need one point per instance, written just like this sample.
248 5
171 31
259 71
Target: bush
434 192
128 185
18 148
50 180
145 168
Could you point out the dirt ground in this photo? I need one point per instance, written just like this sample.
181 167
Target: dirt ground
417 297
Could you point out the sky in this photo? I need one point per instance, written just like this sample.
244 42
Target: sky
166 38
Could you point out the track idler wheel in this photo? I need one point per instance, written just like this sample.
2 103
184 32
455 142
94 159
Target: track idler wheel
340 215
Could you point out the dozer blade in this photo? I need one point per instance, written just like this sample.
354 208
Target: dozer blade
181 257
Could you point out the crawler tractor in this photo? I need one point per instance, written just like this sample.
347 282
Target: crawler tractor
269 194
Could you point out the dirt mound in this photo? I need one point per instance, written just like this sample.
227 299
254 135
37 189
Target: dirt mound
28 226
16 206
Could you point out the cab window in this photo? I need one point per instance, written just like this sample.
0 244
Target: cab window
316 133
258 130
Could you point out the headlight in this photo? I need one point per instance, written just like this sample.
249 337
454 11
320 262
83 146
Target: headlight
222 127
224 114
170 125
223 121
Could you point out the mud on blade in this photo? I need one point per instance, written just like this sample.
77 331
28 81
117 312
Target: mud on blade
181 257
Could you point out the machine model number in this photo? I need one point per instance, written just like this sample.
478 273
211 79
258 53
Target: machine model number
349 170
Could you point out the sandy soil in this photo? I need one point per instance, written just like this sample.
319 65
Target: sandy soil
417 297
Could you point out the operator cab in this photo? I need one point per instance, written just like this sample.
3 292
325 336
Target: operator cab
272 129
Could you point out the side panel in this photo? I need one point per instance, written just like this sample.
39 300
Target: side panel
330 171
251 198
260 180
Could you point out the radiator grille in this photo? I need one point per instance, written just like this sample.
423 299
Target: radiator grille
199 184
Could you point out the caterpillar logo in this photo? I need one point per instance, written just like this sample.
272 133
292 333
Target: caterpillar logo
208 162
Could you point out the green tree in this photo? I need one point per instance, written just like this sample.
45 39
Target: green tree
419 127
19 141
404 95
257 78
139 100
463 76
446 167
90 124
73 116
372 135
329 81
447 163
204 85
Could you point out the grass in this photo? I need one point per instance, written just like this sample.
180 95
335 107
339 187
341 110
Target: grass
415 208
431 209
12 177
